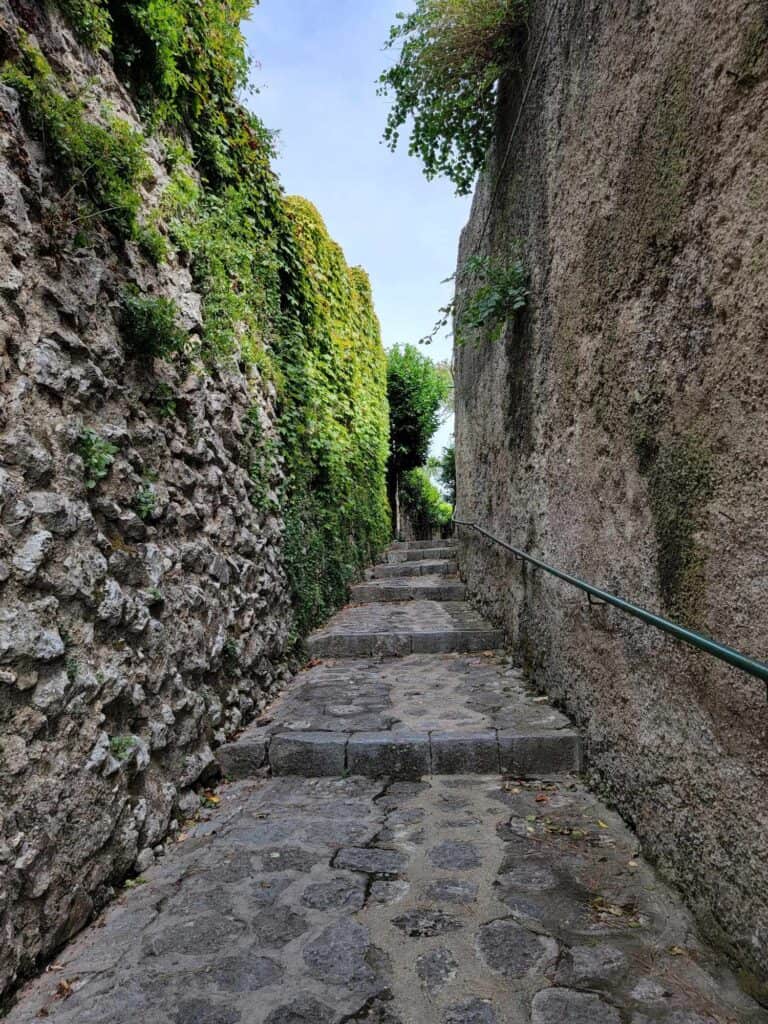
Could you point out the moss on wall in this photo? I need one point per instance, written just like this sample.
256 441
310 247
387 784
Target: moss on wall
680 483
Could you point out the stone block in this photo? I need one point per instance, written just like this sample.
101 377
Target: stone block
470 753
358 645
529 754
459 640
399 755
244 758
311 754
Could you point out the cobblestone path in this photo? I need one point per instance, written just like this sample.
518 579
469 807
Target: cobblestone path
475 881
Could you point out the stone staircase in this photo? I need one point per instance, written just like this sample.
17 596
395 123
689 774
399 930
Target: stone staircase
407 681
387 872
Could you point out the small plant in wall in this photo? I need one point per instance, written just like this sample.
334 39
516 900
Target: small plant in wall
145 501
501 291
150 325
97 455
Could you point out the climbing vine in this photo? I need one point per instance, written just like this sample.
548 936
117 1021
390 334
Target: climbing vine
277 294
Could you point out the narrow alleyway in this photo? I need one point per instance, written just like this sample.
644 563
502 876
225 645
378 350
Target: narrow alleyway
404 841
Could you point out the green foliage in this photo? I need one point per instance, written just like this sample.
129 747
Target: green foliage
104 164
230 653
145 502
120 747
452 54
90 20
277 295
446 473
333 421
423 503
97 455
417 391
501 291
150 326
234 265
164 398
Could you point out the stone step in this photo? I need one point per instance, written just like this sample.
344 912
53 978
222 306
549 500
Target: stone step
395 555
404 754
438 567
419 715
409 588
423 545
385 628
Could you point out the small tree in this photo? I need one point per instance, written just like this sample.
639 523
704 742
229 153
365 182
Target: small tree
452 54
417 391
446 473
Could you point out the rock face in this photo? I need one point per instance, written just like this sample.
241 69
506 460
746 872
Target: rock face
616 428
144 612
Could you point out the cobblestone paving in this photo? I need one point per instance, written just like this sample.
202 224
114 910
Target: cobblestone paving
464 899
459 901
420 691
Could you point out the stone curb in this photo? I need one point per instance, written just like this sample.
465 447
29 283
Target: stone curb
367 645
404 754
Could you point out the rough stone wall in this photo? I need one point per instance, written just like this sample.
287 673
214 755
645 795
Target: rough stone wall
618 428
129 644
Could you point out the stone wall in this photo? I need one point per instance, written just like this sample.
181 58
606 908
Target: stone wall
618 428
144 615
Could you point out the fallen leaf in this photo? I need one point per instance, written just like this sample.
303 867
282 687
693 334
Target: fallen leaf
542 798
601 823
63 989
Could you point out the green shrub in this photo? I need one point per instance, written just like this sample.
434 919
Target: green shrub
97 455
452 54
150 326
105 164
423 503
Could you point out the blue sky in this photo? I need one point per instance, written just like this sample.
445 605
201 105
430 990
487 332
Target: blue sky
317 79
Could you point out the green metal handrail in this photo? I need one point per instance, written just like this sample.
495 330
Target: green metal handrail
688 636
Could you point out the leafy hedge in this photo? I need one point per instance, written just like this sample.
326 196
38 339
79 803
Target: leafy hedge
277 292
423 503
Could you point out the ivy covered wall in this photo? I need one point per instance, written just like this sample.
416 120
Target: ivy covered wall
277 292
193 439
